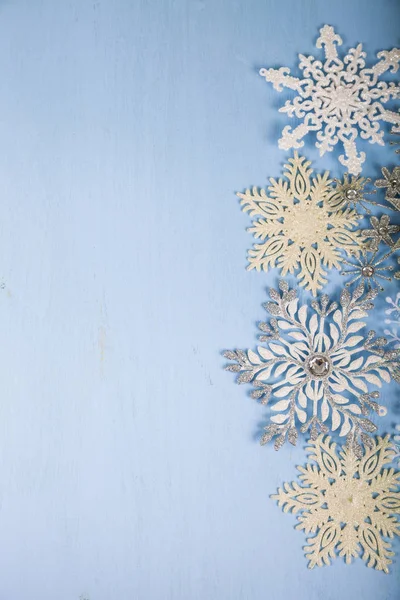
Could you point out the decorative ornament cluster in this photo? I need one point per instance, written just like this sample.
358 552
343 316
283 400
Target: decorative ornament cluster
317 367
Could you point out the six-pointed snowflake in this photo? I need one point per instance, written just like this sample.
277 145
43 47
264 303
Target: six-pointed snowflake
338 98
369 268
381 231
297 228
315 369
351 193
350 503
391 181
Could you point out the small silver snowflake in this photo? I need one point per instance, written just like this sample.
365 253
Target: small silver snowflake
338 98
314 369
351 193
391 181
381 231
368 268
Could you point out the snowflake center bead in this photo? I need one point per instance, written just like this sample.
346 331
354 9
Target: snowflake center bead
351 194
368 271
319 365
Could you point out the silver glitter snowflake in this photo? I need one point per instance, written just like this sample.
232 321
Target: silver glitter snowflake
381 231
338 98
314 369
393 313
351 193
369 268
391 181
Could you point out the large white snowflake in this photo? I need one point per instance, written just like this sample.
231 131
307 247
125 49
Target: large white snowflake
350 503
338 98
315 369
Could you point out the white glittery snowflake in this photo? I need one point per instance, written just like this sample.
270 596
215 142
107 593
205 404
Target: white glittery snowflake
315 369
338 98
297 227
393 313
350 503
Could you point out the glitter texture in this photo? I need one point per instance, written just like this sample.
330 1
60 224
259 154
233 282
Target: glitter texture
350 503
381 231
369 268
338 99
351 193
391 181
297 228
314 369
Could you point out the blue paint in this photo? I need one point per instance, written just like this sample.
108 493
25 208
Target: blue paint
129 467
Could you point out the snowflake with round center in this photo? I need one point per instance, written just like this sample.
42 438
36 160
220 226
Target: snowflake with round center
391 181
315 369
338 98
349 502
298 228
370 268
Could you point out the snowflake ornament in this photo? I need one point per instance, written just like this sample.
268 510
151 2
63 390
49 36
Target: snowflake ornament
315 369
349 502
393 334
297 227
391 181
338 98
381 231
351 193
368 268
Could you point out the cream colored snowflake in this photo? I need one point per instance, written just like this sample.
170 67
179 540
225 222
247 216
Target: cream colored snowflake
349 503
338 98
298 229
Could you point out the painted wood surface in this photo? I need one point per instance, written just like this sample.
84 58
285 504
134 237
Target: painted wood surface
129 461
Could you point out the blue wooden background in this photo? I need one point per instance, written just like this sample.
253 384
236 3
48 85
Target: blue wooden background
129 461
